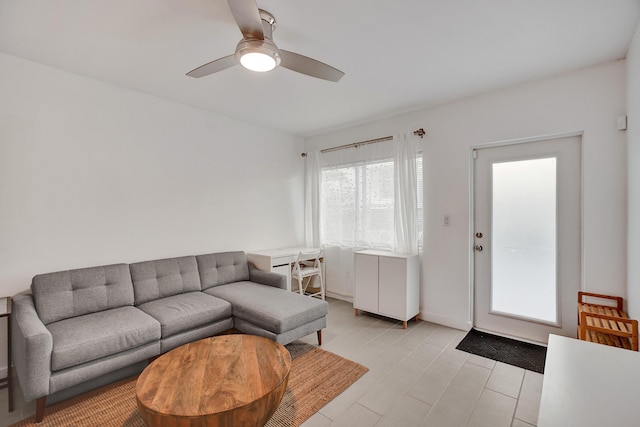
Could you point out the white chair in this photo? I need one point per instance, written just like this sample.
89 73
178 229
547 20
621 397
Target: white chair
306 267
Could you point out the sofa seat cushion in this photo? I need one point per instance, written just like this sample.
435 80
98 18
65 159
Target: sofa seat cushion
270 308
183 312
92 336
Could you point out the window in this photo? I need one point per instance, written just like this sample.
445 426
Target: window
357 204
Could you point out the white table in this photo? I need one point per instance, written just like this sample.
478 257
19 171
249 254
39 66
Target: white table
278 260
587 384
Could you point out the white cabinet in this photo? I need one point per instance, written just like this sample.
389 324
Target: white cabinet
387 283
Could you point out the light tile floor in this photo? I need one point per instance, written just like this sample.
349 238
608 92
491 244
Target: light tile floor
416 378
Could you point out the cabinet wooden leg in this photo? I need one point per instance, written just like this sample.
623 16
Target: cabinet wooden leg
404 324
416 317
40 404
356 311
319 333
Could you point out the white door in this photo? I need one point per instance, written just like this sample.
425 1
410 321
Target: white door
527 238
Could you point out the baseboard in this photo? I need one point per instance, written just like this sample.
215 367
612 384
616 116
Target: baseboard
440 320
339 296
445 321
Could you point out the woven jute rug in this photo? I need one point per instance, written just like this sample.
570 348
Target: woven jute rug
316 377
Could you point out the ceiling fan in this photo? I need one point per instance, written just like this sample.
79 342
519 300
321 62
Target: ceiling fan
257 51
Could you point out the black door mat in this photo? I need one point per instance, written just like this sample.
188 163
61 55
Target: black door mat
517 353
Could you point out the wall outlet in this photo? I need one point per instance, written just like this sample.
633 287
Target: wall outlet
622 122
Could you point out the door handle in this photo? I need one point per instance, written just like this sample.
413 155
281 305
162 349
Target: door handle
478 248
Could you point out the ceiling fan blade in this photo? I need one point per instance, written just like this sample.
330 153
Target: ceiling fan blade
213 66
247 17
308 66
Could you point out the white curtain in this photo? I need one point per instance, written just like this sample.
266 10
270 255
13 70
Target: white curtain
339 270
406 193
312 199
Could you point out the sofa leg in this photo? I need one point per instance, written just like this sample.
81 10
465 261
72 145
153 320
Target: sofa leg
40 404
319 333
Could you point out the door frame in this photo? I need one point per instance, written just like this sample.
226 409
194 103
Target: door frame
471 242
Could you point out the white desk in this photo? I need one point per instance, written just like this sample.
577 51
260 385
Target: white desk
587 384
278 260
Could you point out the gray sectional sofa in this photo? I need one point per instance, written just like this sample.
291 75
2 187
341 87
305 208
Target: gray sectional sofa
78 325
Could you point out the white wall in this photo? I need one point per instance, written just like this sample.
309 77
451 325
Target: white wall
92 173
633 141
587 100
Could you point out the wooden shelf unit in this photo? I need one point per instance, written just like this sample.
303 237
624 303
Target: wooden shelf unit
606 324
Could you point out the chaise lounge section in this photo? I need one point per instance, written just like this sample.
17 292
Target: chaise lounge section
78 325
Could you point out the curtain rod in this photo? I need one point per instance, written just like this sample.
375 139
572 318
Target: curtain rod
420 132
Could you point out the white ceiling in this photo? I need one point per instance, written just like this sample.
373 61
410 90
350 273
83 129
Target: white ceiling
398 56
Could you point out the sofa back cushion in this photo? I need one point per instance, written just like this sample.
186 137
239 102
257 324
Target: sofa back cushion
164 277
222 268
72 293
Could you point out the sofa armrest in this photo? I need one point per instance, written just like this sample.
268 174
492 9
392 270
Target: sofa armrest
31 346
268 278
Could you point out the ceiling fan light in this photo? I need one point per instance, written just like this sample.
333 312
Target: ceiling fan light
258 55
258 61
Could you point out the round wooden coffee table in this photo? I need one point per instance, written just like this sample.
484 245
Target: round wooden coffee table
228 380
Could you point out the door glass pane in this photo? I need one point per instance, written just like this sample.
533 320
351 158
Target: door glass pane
524 239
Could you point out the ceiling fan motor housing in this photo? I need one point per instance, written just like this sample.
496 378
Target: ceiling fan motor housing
256 46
